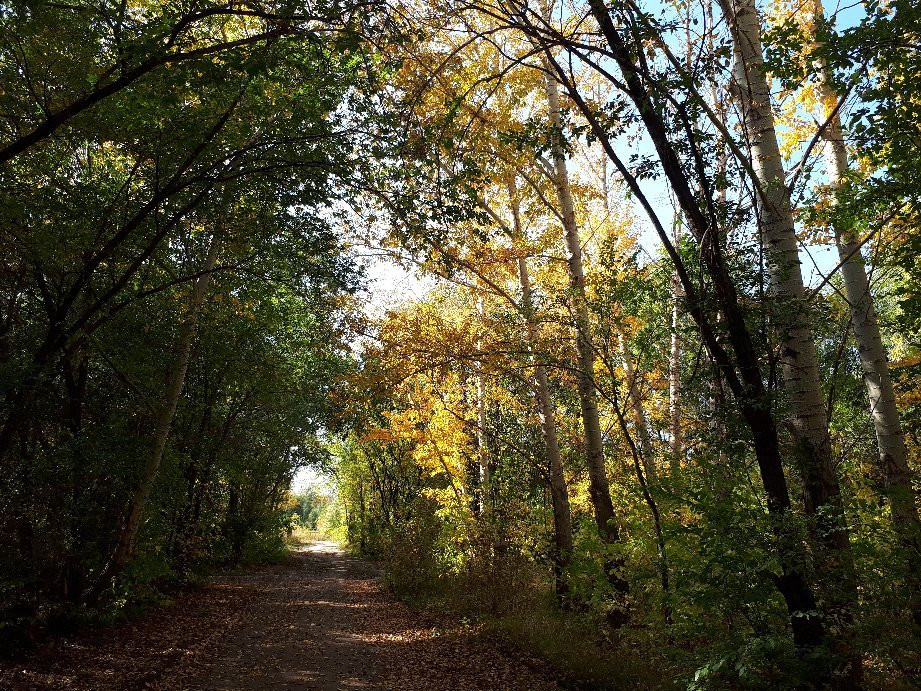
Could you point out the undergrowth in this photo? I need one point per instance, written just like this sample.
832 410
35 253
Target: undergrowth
510 601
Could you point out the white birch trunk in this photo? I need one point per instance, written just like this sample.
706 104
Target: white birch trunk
164 419
676 443
874 361
798 354
637 409
599 489
482 449
559 492
873 357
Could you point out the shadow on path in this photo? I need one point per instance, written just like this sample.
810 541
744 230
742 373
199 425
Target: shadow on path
323 623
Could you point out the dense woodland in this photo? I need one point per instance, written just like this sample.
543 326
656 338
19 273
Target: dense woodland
657 396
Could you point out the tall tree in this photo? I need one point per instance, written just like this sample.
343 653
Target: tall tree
594 446
744 374
798 354
874 361
175 380
559 492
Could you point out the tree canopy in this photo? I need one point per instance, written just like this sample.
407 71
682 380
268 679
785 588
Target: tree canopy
658 374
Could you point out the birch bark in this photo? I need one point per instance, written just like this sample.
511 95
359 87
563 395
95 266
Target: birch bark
798 354
676 444
744 375
599 489
164 420
874 361
559 492
799 357
482 449
637 409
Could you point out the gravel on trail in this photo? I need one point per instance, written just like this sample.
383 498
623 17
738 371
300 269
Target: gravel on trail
323 622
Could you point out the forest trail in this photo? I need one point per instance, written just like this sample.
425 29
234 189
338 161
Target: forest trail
323 622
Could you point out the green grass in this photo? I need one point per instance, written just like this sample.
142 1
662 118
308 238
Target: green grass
570 643
580 647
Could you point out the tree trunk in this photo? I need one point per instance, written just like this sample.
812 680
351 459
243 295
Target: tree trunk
809 417
559 492
362 540
175 380
874 361
637 409
472 466
676 443
599 489
481 440
743 375
234 523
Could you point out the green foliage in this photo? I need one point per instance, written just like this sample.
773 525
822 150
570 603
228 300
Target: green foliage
168 130
174 131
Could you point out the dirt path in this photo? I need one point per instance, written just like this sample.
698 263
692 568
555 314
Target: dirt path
322 623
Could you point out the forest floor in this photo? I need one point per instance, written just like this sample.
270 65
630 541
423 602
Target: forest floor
322 622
